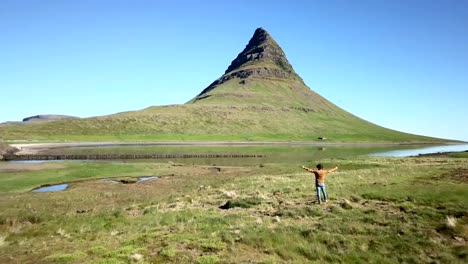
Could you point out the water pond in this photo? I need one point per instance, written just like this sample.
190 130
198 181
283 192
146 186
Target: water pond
62 187
274 154
142 179
52 188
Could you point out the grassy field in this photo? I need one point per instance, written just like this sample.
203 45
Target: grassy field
266 110
381 210
459 155
212 123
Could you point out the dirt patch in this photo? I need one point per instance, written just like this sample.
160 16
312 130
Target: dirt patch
458 175
134 212
7 149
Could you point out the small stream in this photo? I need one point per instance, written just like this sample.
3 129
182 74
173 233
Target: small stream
64 186
142 179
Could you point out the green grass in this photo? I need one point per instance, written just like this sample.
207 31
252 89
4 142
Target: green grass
459 154
75 171
381 210
220 120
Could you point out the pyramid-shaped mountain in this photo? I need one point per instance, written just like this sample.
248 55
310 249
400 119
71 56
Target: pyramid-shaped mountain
259 98
262 75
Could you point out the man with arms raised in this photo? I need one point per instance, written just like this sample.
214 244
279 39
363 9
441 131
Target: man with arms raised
320 175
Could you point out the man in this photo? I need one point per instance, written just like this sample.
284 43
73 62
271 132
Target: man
320 174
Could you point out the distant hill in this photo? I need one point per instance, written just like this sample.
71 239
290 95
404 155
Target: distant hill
47 118
38 119
258 98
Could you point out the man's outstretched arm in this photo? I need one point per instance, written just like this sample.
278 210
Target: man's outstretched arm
332 170
308 169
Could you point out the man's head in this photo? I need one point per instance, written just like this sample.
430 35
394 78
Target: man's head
319 166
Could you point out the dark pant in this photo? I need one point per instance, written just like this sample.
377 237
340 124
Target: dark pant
320 187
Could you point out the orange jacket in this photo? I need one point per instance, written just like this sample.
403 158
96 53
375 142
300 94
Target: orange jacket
319 174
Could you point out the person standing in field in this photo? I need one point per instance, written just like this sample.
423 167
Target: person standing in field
320 175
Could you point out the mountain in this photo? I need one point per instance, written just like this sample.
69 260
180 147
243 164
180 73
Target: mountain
259 97
262 75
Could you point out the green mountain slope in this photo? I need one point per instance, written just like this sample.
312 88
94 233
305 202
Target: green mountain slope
260 97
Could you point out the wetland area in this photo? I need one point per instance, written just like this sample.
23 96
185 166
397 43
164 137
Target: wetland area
381 209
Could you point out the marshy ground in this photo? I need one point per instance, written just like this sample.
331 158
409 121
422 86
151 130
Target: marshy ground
381 210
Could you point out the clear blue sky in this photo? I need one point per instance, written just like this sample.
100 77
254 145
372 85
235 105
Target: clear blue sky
399 64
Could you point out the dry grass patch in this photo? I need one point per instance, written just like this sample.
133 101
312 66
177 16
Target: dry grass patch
18 167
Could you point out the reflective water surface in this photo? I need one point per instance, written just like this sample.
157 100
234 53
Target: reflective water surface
52 188
424 150
273 154
142 179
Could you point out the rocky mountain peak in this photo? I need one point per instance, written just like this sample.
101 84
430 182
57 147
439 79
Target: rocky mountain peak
262 48
261 58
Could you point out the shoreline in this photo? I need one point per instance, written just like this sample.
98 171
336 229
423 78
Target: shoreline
34 148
